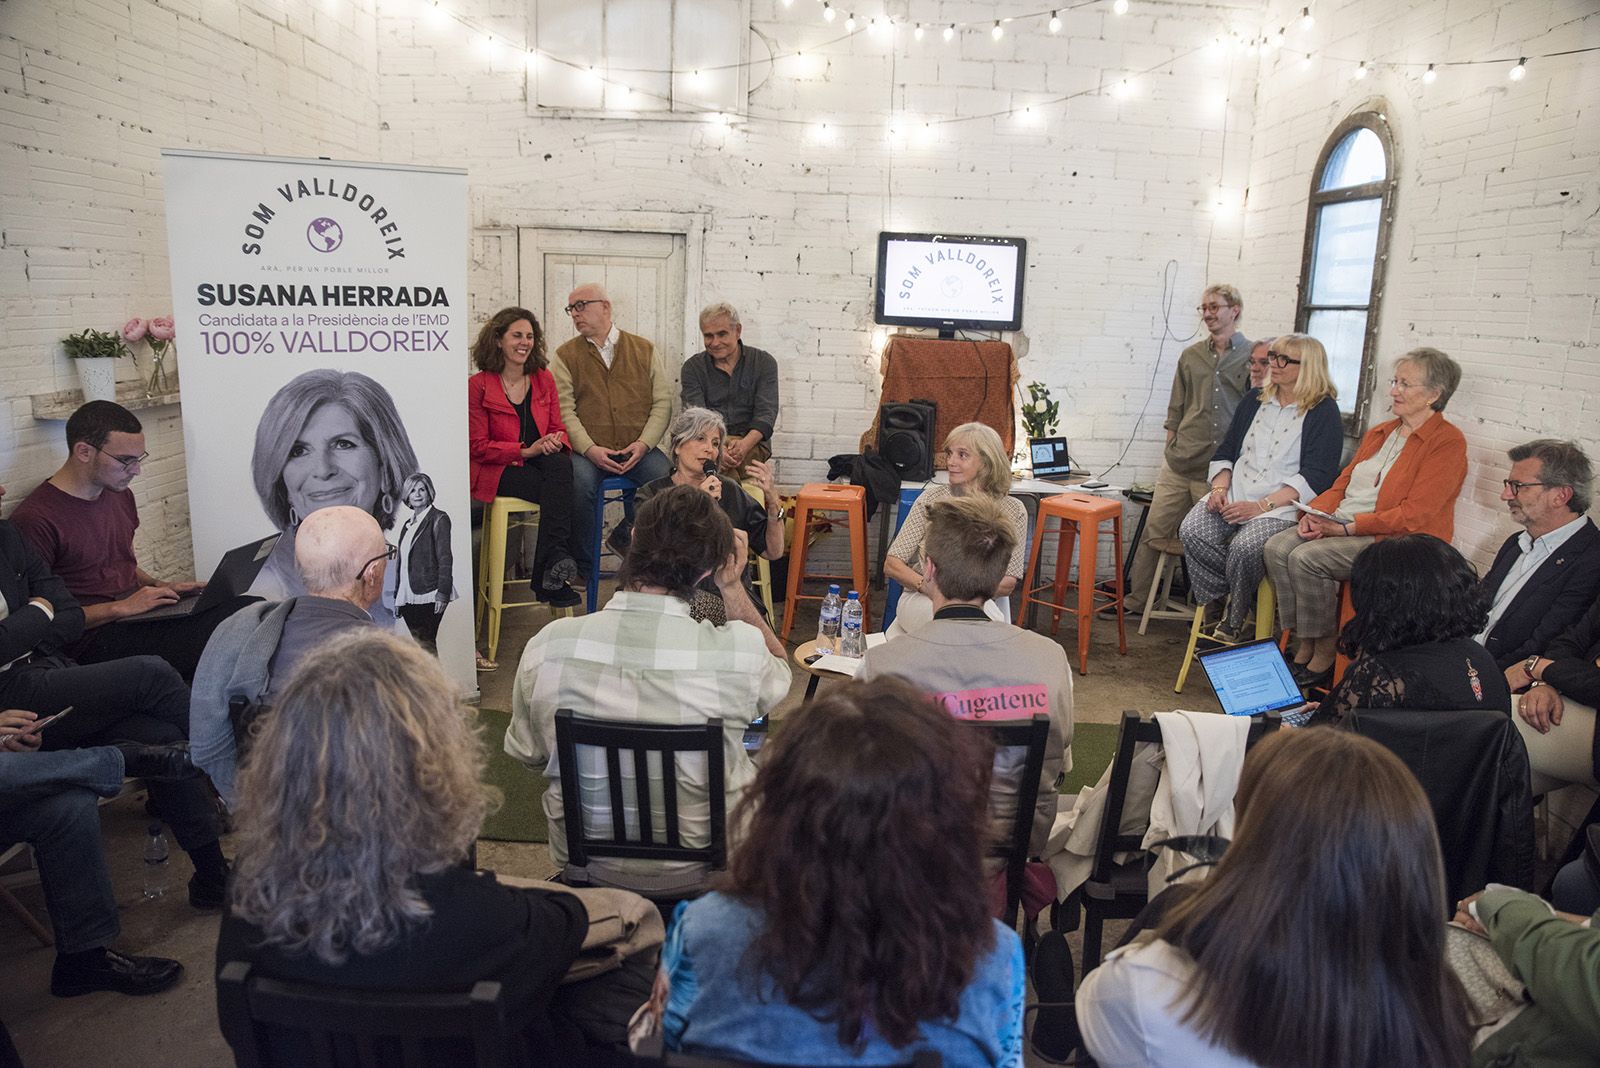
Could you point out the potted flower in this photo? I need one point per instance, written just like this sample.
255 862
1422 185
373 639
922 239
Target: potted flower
95 353
1040 415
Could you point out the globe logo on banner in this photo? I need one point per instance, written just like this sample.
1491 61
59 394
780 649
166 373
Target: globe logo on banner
951 286
324 235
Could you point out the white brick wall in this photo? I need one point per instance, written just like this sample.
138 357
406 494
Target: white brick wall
90 92
1493 253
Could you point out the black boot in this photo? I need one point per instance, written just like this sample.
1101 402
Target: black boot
1055 1026
106 969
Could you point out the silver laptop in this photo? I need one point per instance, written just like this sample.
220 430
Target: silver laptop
1252 678
235 572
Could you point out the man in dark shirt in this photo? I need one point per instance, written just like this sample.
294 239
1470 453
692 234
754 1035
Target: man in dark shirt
736 381
81 522
135 699
340 553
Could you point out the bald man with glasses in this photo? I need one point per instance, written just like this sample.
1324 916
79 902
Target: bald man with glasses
616 400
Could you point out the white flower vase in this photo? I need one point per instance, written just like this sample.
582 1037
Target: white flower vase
98 376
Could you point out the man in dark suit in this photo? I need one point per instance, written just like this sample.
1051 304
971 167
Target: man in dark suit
1545 578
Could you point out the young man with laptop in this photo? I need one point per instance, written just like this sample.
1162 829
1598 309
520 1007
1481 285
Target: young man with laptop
980 668
81 522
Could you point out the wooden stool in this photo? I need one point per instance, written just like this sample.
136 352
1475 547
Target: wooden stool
763 580
1266 605
1080 516
492 581
821 497
1170 552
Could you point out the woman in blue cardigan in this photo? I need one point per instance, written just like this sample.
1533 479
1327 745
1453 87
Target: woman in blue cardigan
1282 446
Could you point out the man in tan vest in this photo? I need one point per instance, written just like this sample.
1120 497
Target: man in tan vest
616 400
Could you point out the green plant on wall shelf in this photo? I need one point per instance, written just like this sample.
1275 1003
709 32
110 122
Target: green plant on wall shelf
95 344
1040 415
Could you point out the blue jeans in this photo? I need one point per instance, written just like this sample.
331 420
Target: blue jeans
586 479
48 801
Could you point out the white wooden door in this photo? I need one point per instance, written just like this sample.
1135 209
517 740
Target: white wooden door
643 273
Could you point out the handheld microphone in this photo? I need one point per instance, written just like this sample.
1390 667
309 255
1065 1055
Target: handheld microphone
708 467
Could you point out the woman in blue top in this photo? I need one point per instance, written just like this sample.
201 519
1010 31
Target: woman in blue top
1282 446
852 927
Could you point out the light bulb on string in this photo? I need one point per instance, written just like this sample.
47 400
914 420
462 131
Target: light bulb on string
949 31
917 31
1305 61
438 14
828 14
1278 38
788 3
1306 21
850 23
1520 71
1120 7
998 31
1361 71
1055 22
1430 75
532 60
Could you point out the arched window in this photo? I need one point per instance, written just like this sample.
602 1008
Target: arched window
1347 245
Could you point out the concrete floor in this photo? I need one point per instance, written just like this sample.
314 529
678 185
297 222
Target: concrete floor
177 1029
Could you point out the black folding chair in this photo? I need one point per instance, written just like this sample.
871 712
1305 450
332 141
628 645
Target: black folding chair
1031 734
642 841
276 1024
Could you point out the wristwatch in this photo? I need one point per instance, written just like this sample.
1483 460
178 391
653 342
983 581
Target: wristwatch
1529 664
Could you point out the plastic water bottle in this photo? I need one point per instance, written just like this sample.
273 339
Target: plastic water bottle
850 627
828 622
156 870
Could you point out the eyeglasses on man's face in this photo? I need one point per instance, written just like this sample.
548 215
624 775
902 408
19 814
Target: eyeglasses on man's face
1516 487
128 462
1281 359
390 553
578 305
1208 309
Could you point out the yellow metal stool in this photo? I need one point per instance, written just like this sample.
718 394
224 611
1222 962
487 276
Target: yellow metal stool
492 581
1266 608
763 579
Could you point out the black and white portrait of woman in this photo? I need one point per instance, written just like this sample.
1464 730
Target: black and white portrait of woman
328 437
421 586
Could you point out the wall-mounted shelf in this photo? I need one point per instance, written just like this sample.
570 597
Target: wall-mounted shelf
130 394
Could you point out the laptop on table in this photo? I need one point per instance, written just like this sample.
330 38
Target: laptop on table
235 573
1252 678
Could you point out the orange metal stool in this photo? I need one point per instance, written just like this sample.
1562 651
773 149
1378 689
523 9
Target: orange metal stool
1080 516
825 497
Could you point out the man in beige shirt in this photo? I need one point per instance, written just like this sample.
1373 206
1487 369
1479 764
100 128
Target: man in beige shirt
1213 374
616 400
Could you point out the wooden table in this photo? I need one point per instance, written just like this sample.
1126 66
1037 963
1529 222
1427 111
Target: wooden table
801 652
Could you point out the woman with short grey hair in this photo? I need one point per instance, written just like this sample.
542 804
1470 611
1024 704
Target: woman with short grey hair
694 443
1404 479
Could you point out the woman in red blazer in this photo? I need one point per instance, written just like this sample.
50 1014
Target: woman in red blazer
519 445
1403 480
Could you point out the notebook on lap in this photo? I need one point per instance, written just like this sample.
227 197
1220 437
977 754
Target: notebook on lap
235 572
1252 678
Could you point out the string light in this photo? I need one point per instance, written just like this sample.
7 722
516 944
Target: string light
828 14
949 31
998 31
1520 71
1055 22
1120 7
788 3
850 23
438 14
1430 75
917 32
1361 71
1306 21
1277 38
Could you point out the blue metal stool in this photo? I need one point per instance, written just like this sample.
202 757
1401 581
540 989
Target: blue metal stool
908 497
615 488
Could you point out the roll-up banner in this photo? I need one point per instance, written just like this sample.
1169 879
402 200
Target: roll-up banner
322 310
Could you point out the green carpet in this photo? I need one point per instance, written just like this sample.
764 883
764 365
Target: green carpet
521 817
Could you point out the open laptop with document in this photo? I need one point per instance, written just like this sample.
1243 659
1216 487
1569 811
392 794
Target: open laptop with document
1050 460
235 572
1252 678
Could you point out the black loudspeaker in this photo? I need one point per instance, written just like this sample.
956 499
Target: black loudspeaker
905 437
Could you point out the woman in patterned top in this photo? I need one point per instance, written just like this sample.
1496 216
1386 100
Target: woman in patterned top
976 461
1418 603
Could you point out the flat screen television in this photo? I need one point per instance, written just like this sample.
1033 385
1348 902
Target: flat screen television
950 282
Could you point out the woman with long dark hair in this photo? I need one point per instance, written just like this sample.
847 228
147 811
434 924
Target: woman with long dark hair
853 924
1418 604
518 444
1317 942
